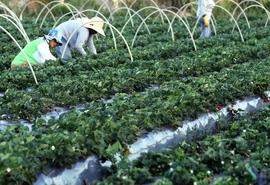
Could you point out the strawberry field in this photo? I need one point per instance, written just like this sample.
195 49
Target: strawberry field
142 80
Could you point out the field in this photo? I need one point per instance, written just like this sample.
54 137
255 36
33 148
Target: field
146 77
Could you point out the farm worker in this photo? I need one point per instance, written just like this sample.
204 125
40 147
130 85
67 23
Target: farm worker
38 51
82 31
204 13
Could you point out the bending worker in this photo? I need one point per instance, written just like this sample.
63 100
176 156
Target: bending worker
85 30
38 51
204 13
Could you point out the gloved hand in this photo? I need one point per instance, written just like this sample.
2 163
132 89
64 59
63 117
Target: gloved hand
206 21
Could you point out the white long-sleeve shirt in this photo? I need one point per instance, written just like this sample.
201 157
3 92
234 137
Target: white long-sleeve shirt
43 53
81 37
205 7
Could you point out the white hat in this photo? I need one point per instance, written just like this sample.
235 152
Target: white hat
95 23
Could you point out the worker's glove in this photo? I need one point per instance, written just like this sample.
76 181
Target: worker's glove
206 21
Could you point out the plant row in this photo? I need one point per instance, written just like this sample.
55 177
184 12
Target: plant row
86 86
94 130
222 157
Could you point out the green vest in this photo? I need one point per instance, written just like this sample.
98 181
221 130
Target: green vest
29 50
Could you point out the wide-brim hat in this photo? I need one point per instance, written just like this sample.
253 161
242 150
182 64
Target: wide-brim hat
96 23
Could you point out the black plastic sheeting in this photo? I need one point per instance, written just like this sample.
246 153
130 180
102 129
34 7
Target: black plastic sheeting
87 170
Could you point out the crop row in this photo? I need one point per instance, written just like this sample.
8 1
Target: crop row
189 83
229 153
73 83
61 142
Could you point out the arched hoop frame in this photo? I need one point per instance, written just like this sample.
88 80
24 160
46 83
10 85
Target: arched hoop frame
97 12
136 13
231 18
15 18
128 11
152 1
251 6
10 18
131 57
44 5
60 18
184 9
104 4
164 10
22 52
82 7
59 4
237 6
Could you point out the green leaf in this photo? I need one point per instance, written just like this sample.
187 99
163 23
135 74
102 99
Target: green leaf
4 156
114 148
30 139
